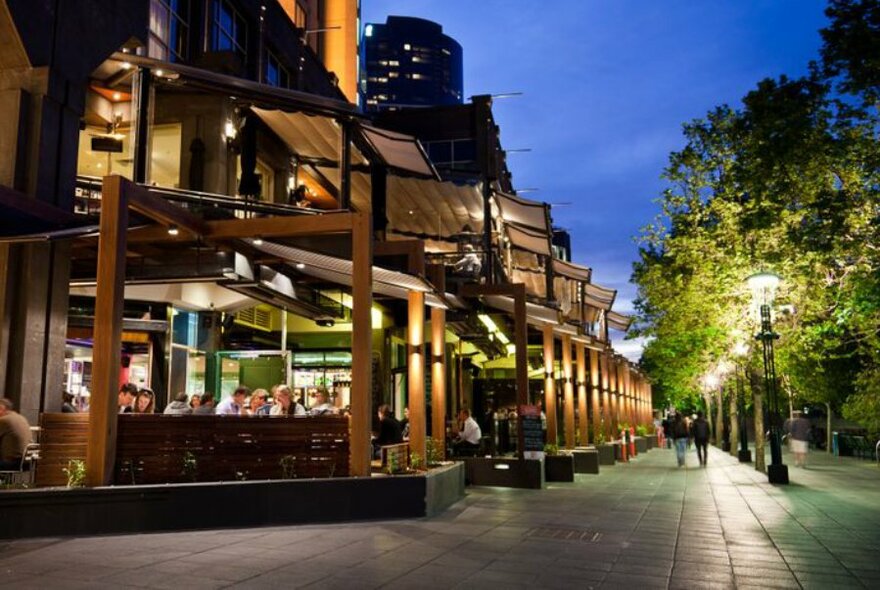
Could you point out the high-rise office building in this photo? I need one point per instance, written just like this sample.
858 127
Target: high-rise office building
409 62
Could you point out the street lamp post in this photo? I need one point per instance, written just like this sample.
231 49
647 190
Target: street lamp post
740 351
763 286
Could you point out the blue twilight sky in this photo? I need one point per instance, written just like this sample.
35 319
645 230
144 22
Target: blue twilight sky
607 85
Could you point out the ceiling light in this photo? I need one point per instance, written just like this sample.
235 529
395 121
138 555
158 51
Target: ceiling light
117 96
300 265
172 230
258 241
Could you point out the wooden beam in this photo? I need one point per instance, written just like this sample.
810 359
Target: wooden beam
606 395
550 386
568 392
361 342
107 351
277 226
164 211
437 276
583 404
413 250
415 343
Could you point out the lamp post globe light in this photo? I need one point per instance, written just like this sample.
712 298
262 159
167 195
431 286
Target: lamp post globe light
763 286
740 352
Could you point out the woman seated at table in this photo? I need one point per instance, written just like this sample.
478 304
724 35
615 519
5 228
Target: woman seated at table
258 406
322 405
144 402
284 404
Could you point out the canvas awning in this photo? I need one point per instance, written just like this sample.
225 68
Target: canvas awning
529 240
540 316
599 296
523 212
571 270
618 321
339 270
319 138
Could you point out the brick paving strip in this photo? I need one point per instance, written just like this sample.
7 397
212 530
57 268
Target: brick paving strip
647 524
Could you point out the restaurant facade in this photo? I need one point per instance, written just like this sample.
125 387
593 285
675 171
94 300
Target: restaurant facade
193 204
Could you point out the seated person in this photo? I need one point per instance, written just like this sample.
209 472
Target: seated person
284 404
322 406
404 424
390 432
258 406
205 407
469 264
67 404
15 435
179 407
126 397
468 439
144 402
233 405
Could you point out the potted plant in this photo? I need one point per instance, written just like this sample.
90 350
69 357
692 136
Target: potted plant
557 466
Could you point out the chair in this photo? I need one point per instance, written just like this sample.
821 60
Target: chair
25 473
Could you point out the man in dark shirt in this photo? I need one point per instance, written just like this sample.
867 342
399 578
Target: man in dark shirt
390 432
15 435
700 432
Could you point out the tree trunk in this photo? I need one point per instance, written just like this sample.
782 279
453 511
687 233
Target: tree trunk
828 428
758 396
719 417
734 421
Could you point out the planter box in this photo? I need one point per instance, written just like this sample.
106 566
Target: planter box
55 512
559 468
606 454
618 451
651 440
641 444
586 460
506 473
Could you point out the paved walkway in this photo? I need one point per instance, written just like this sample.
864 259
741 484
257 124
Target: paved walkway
642 525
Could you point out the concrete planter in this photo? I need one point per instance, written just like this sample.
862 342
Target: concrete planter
506 473
49 512
586 460
641 444
559 467
651 440
606 454
618 451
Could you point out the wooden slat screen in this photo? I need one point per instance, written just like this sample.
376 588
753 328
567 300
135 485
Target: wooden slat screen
169 449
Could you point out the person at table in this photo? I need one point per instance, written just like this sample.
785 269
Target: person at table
404 424
67 406
284 404
258 406
144 402
322 405
390 432
205 406
232 405
126 397
195 401
179 407
469 436
15 435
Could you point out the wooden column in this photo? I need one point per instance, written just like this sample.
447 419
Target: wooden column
550 386
583 404
107 350
521 339
594 388
568 392
415 344
613 376
361 343
438 365
606 395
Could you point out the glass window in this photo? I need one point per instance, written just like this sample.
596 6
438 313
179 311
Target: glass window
276 74
230 29
169 30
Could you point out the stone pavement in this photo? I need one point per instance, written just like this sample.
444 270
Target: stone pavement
643 525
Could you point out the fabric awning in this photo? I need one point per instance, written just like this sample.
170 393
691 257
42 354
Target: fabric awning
339 270
399 151
598 296
523 212
319 138
618 321
571 270
540 316
529 240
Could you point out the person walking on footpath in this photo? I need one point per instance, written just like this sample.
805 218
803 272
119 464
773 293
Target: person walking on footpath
680 435
700 432
798 429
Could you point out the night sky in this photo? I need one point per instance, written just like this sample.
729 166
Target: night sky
607 86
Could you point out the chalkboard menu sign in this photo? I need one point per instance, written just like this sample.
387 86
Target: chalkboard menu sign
530 422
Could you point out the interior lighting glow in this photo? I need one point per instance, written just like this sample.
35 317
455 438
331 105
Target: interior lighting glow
488 322
172 230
